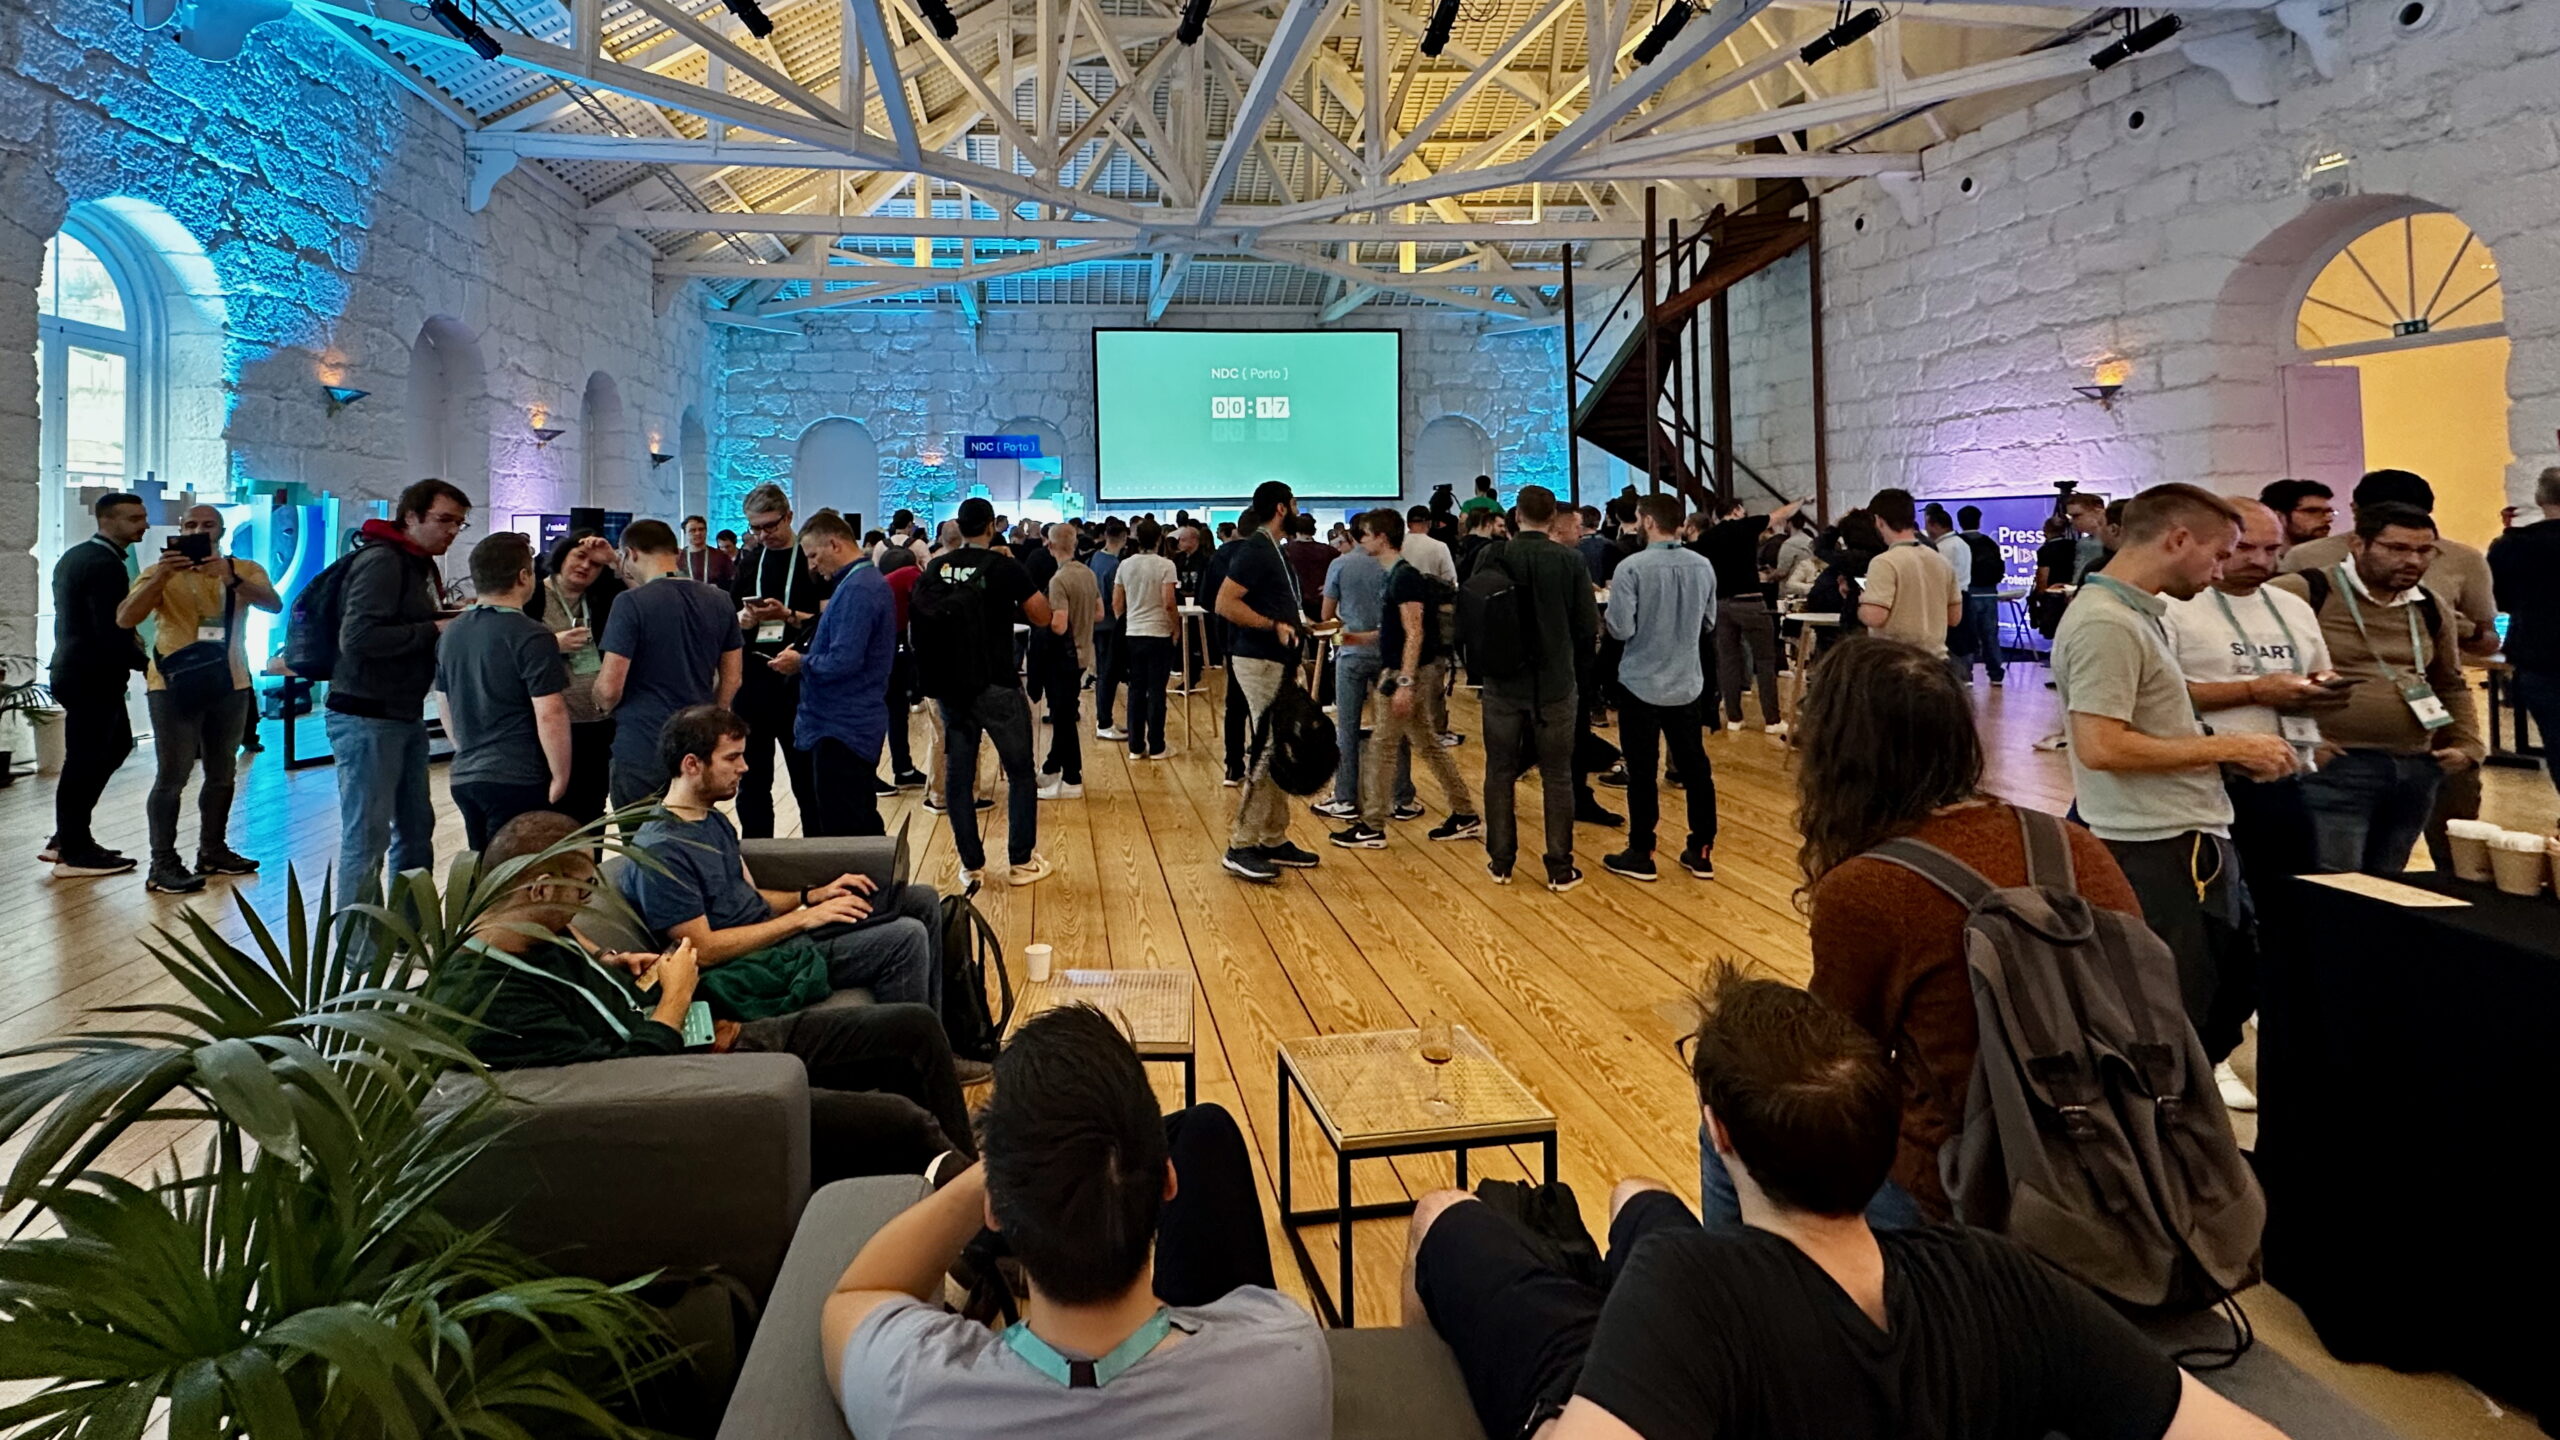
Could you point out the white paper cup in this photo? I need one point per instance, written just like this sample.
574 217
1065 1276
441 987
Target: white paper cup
1036 960
2520 861
2469 842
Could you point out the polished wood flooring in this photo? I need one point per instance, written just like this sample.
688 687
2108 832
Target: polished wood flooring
1582 995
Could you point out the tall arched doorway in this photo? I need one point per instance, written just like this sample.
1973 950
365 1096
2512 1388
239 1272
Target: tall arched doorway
608 473
2413 307
837 467
448 383
1452 450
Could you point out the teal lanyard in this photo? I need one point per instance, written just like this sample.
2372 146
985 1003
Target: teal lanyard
2128 597
790 576
2248 646
2355 612
1040 1355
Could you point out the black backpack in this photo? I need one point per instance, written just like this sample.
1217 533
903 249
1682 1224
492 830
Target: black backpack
1298 736
311 639
1494 623
2315 583
947 623
970 948
1989 566
1441 598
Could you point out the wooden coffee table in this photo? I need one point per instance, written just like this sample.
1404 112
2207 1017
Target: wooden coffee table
1370 1095
1153 1007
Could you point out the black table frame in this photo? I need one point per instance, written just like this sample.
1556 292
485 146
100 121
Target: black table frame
1342 1212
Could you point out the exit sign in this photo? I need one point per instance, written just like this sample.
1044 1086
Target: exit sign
2406 328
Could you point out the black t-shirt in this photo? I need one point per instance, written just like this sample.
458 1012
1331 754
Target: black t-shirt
1404 583
764 573
1733 547
1008 585
2058 559
1270 590
1728 1333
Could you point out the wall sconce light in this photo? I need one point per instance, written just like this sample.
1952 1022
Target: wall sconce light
342 396
545 434
658 458
2105 395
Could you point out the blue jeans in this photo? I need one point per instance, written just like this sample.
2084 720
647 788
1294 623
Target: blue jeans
1003 716
1981 631
2368 807
1355 679
895 954
383 804
1719 1208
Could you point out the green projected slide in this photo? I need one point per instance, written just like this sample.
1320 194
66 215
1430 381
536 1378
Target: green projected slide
1182 415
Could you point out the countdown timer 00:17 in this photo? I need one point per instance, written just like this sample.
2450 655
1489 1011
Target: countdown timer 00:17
1235 407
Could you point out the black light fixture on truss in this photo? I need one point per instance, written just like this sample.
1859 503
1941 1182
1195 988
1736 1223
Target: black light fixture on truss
1849 30
751 15
1665 26
449 14
937 13
1195 20
2136 41
1435 36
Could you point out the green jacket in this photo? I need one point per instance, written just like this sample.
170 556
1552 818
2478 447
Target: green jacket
559 1008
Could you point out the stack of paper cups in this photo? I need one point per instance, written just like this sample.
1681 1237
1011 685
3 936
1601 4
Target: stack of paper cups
2520 860
2469 841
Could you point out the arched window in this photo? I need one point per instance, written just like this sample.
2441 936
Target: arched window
97 381
2419 280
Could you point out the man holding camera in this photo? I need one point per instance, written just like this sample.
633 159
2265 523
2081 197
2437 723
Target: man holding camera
198 599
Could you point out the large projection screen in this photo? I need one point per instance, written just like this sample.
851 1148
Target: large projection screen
1201 415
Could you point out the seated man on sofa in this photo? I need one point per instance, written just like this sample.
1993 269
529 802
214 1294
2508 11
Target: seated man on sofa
700 890
883 1098
1151 1314
1803 1324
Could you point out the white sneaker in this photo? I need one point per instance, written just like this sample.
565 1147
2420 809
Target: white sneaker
1112 732
972 881
1061 790
1733 725
2236 1094
1030 872
1776 730
2055 741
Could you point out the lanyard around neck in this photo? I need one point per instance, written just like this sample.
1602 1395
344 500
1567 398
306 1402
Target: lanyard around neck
2355 612
1040 1355
2248 646
790 576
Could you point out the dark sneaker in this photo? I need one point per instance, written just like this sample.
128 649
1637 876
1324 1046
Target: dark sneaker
1571 877
883 787
1630 864
1671 781
1409 810
77 864
51 853
1615 777
1336 809
970 1072
224 862
1501 873
1698 863
1249 865
1290 855
1591 812
1458 827
935 807
1360 837
168 877
908 780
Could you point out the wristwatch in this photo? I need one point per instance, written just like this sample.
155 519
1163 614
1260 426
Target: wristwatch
1392 681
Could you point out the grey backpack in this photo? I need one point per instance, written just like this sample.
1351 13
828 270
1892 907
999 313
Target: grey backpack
2093 1133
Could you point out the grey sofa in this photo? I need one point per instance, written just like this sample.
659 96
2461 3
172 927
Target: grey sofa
1387 1384
687 1164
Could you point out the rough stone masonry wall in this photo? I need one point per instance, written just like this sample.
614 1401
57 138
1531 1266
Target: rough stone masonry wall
916 376
2178 248
329 205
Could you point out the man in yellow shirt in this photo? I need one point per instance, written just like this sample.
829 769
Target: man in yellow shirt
196 595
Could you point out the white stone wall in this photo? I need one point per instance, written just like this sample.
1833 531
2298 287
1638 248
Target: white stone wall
2176 249
327 205
916 376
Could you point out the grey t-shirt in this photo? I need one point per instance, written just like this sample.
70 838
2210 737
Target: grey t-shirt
491 664
2112 658
689 626
1251 1366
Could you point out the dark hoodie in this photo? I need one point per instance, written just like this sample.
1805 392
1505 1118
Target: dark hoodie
386 628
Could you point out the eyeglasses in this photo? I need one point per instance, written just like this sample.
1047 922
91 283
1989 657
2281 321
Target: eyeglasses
459 523
767 527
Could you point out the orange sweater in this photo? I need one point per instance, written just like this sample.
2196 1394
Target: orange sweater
1888 948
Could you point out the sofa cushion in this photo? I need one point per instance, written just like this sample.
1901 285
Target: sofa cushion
1398 1385
782 1391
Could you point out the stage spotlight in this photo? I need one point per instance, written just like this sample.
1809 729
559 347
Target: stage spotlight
1841 36
2134 44
1195 19
752 15
462 27
1659 37
1435 36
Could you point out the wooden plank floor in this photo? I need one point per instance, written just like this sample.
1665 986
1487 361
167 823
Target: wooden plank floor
1581 995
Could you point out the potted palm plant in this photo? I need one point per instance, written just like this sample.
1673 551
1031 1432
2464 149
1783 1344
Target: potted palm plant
285 1273
22 696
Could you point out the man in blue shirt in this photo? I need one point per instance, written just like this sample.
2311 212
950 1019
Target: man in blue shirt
844 682
1105 563
1661 599
1355 593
